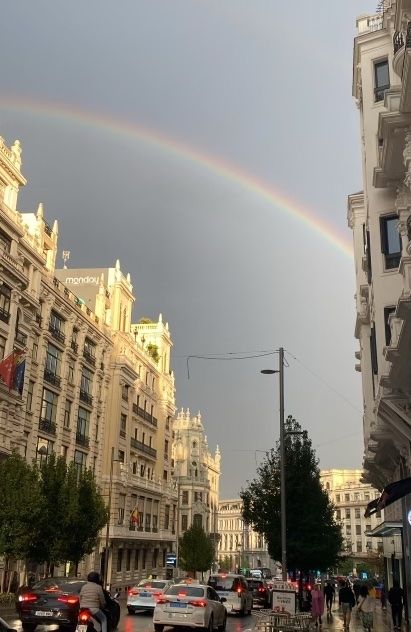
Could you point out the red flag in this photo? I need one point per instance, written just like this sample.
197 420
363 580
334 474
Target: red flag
7 367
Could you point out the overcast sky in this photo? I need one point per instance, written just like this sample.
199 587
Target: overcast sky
262 85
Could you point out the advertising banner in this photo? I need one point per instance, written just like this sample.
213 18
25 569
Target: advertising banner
283 601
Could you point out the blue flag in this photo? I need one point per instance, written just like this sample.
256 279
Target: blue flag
19 376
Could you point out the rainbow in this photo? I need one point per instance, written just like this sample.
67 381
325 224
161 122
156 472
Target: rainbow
213 164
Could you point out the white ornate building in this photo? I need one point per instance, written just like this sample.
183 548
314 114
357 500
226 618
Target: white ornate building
380 217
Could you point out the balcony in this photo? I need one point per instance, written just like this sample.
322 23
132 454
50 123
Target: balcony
52 378
82 439
57 333
146 449
145 415
89 357
4 316
47 426
20 338
86 398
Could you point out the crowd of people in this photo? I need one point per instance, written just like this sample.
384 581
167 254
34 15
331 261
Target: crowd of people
360 596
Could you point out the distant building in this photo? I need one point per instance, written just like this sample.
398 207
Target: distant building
350 497
196 473
238 543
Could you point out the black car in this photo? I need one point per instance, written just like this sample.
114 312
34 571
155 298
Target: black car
56 600
260 592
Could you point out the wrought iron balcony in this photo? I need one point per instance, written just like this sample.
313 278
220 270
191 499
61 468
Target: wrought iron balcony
20 338
86 397
82 439
56 333
52 378
47 426
146 449
144 415
89 357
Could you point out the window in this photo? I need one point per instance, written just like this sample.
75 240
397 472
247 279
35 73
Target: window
30 395
373 351
121 456
124 391
184 522
357 514
2 347
368 528
381 79
198 497
64 451
67 413
390 241
347 498
134 466
359 546
338 514
123 425
165 475
184 500
387 313
166 449
357 529
5 297
35 349
136 559
49 405
198 520
119 560
347 513
357 496
337 498
5 241
53 357
367 496
121 508
83 422
80 460
70 371
128 559
348 530
167 517
89 349
44 449
56 323
86 381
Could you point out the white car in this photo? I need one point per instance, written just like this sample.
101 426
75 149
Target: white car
234 590
191 606
145 595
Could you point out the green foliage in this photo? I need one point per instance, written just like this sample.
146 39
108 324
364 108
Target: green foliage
314 539
196 551
21 507
152 350
225 563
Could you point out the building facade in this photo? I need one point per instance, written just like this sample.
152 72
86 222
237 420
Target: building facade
350 497
380 218
196 474
239 546
98 389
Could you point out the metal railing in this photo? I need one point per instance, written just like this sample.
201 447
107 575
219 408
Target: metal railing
86 397
4 316
52 378
145 415
47 426
56 333
82 439
138 445
89 357
20 337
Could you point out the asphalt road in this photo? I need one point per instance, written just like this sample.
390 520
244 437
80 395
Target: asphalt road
142 622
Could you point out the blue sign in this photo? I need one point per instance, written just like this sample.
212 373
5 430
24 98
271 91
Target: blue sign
171 560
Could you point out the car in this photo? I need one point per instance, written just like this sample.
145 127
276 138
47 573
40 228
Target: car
144 596
56 600
260 592
191 606
234 589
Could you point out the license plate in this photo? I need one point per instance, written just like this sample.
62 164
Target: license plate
178 604
81 628
144 594
43 613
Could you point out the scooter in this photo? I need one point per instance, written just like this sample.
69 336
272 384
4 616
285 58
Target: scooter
87 622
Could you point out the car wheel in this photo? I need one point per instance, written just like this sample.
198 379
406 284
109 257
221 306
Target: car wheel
131 610
210 627
28 627
158 627
224 623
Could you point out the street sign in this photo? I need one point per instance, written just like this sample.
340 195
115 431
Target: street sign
171 560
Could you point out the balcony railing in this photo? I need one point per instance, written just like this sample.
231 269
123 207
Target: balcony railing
86 397
145 415
4 316
82 439
20 338
89 357
56 333
146 449
52 378
47 426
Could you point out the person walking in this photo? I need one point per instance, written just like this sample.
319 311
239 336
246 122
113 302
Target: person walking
396 597
317 604
329 592
346 600
92 597
383 596
366 607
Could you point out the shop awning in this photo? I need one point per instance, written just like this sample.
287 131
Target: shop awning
385 529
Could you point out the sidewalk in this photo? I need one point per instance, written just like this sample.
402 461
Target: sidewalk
382 621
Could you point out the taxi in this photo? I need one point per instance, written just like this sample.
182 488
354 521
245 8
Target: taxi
145 595
192 606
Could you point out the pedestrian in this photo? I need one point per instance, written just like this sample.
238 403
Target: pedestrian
396 597
317 604
366 607
346 600
92 597
329 592
383 596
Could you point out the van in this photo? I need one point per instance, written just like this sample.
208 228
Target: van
235 590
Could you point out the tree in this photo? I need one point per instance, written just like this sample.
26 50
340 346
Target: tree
226 563
196 550
85 516
314 539
21 508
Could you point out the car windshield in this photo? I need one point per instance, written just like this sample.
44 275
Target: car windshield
186 591
224 583
152 584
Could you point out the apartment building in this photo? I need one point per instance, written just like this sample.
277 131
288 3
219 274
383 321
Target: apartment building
97 390
379 217
196 474
238 543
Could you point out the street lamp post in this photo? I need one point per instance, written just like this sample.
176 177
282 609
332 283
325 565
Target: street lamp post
280 371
